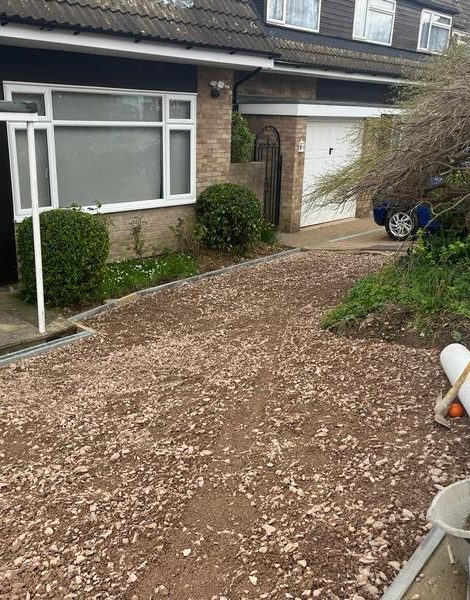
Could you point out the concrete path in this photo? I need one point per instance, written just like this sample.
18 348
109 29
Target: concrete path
18 324
347 234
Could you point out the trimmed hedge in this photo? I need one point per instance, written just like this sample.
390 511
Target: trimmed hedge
75 248
229 216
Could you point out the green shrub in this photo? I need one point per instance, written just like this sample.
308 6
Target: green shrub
269 234
432 281
242 140
75 247
229 216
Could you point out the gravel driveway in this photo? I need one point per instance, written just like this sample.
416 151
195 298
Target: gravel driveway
212 442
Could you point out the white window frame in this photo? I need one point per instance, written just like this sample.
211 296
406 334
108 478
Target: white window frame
432 14
48 123
364 38
282 22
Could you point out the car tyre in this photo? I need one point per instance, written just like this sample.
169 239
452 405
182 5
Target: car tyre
401 225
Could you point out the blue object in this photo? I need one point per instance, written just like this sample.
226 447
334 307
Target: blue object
423 214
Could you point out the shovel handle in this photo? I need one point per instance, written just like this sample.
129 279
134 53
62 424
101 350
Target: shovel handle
443 405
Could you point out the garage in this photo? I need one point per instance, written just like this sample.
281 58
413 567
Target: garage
330 145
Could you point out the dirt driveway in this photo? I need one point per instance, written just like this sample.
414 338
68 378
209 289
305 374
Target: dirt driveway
212 442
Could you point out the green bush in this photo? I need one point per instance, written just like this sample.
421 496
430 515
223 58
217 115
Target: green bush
242 140
75 247
229 216
269 234
432 281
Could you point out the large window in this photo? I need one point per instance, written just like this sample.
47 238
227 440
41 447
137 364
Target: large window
373 21
434 33
113 149
300 14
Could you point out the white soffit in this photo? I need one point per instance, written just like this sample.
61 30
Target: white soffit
92 43
342 75
317 110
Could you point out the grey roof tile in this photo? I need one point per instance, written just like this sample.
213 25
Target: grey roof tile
231 24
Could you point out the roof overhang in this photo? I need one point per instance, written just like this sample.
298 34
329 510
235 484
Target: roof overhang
342 75
314 110
14 34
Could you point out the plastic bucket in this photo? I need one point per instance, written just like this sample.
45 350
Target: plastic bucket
450 510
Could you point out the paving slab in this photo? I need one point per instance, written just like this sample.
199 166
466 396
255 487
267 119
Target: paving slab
439 579
18 324
346 234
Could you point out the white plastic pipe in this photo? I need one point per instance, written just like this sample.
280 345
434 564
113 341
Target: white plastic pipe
33 180
454 359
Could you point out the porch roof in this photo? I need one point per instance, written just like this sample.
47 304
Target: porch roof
224 24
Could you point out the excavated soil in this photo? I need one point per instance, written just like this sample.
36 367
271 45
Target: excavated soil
211 442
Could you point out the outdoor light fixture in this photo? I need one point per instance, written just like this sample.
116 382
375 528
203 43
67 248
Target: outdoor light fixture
301 146
217 87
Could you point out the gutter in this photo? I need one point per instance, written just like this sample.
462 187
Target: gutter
237 85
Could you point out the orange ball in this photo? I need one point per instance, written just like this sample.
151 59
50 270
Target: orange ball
456 410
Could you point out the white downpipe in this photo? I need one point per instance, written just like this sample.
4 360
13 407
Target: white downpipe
454 359
33 179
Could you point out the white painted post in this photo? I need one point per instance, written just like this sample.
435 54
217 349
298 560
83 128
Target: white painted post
33 178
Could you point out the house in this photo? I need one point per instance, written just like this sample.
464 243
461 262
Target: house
461 30
135 100
339 63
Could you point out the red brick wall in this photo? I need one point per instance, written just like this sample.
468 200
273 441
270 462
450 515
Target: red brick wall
280 86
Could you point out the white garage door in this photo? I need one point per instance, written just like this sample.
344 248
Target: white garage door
329 146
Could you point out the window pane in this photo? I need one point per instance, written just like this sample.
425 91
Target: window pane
275 8
384 5
439 39
379 27
180 109
107 165
180 162
42 168
302 13
423 38
38 98
78 106
441 20
360 18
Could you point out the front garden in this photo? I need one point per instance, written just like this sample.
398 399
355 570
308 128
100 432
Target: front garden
228 228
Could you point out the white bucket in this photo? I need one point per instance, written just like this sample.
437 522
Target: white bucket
454 359
449 511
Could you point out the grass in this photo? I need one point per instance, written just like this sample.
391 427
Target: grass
431 283
128 276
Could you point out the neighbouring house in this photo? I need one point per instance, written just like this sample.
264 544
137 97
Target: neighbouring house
135 101
461 30
339 62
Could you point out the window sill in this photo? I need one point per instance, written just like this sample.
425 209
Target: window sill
118 208
366 41
295 27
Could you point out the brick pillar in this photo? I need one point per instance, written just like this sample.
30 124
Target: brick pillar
214 126
291 131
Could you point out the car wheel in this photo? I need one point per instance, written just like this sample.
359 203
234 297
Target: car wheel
401 225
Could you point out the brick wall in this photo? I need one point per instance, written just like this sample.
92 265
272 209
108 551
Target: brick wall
214 123
156 232
273 85
291 131
251 175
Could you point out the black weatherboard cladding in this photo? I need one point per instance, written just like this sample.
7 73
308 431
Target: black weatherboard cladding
66 68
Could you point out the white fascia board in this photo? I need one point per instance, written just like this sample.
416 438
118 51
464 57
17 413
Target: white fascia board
334 111
92 43
324 74
16 117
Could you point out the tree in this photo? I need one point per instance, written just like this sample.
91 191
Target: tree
431 138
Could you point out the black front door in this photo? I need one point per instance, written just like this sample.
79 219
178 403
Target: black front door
8 270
